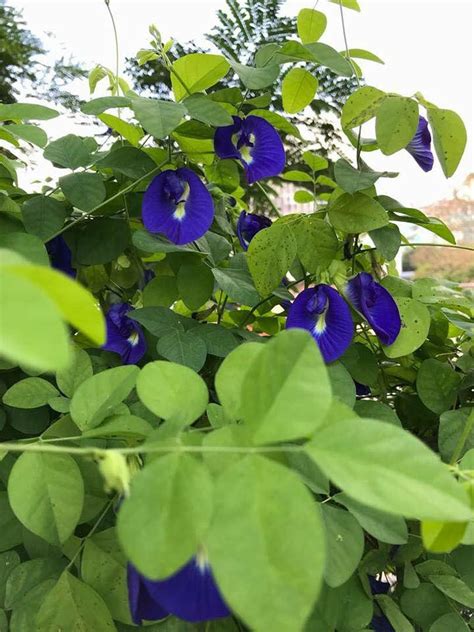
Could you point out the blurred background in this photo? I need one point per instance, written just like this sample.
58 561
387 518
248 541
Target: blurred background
47 49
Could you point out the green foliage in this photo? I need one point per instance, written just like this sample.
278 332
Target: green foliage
230 442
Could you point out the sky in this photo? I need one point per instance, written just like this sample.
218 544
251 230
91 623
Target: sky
427 46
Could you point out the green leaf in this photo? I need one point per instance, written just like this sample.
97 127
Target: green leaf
197 72
424 605
121 426
348 4
342 384
32 392
201 108
376 410
298 89
393 613
352 180
294 175
456 433
73 605
103 567
361 106
387 240
411 481
30 133
278 121
97 397
131 161
74 302
452 622
172 391
303 196
183 347
449 137
454 588
361 53
160 320
10 527
231 375
101 104
70 151
330 58
129 131
84 190
80 368
47 352
317 244
46 493
26 112
269 257
28 575
437 385
357 213
43 216
171 500
383 526
195 285
396 123
287 380
415 327
160 291
219 341
361 364
442 537
237 283
29 247
315 162
311 25
100 241
8 562
158 118
273 571
256 78
345 545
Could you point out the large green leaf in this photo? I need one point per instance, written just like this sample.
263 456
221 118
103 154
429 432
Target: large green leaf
25 112
171 500
46 493
456 432
73 605
100 241
158 118
27 246
410 479
43 216
197 72
172 391
394 615
298 89
183 347
130 161
84 190
415 327
383 526
345 545
201 108
357 213
270 255
437 385
449 137
31 392
256 78
361 106
286 392
70 151
78 371
98 396
30 133
311 25
454 588
352 180
329 57
396 123
195 284
266 544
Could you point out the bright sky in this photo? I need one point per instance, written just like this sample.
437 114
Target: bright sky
427 46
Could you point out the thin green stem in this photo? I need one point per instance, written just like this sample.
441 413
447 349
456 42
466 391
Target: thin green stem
91 532
117 56
272 203
415 245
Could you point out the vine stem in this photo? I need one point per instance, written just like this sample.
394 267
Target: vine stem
272 203
117 57
94 528
415 245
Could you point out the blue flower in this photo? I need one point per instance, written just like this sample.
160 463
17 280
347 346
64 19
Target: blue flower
379 622
362 390
324 313
178 205
60 256
420 146
256 143
248 225
376 304
378 587
190 594
124 335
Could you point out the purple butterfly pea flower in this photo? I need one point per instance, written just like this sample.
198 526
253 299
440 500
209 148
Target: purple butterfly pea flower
323 312
379 623
124 335
361 390
378 587
420 146
178 205
377 305
60 256
248 225
190 594
256 143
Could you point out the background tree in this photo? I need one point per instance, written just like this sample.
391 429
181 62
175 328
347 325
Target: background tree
21 64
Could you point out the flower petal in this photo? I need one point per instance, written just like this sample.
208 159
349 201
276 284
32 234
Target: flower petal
142 605
190 594
60 256
124 335
377 305
223 141
380 623
420 146
267 156
323 312
163 211
248 225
